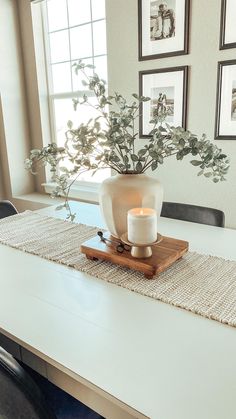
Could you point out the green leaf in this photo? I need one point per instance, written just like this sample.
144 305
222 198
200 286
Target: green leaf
196 162
142 152
70 124
126 160
71 217
139 167
179 155
134 157
160 159
162 129
194 151
153 154
154 165
120 140
114 158
60 207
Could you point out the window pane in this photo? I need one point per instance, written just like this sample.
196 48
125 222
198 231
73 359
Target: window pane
99 37
98 9
79 12
77 79
61 75
64 111
85 42
59 46
57 14
81 42
98 177
101 67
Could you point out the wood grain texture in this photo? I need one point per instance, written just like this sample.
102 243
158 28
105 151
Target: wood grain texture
164 254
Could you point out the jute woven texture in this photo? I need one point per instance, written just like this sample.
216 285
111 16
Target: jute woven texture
203 284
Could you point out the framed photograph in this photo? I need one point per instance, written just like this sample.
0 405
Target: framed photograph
167 89
225 127
228 23
163 28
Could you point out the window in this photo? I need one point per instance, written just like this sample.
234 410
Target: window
73 29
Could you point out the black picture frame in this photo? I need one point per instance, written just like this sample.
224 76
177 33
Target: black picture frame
171 82
164 46
225 120
224 28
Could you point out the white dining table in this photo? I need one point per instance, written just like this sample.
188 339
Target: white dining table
121 353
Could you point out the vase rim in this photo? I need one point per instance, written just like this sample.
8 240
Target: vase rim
131 174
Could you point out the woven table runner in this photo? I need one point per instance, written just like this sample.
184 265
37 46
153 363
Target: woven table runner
203 284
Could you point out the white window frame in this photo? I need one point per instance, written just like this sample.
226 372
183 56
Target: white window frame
82 190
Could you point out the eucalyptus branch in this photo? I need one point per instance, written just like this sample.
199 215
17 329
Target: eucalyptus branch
92 145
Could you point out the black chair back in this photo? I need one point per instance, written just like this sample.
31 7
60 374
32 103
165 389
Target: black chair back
20 397
7 209
193 213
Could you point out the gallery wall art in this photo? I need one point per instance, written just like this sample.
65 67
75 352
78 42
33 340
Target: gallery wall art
163 28
167 89
228 24
225 127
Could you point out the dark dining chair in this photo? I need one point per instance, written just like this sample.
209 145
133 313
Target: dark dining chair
25 394
193 213
7 209
20 397
63 404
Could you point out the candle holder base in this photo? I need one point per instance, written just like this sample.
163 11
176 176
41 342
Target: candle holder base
164 254
140 251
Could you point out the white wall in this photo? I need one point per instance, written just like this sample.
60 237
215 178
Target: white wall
2 192
13 112
179 178
19 99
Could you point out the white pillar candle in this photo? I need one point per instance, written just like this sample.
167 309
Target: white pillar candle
142 226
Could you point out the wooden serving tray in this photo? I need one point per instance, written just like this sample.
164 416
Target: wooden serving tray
164 254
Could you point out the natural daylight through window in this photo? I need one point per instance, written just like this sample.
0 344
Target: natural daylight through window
73 29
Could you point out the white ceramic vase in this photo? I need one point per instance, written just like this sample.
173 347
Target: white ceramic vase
119 193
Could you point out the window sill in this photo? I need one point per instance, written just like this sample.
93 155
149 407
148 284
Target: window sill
85 192
33 201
